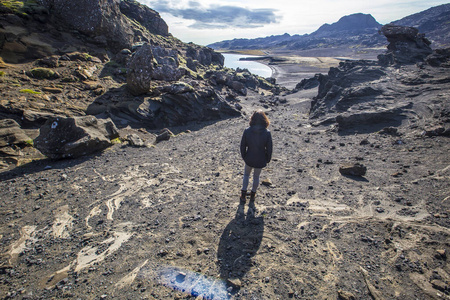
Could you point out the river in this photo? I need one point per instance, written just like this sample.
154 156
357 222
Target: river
232 61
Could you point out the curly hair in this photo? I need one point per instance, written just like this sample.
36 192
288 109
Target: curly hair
259 118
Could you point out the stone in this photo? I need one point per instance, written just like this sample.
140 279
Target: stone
439 285
344 295
140 71
11 133
135 140
266 182
406 45
356 169
441 254
164 135
74 137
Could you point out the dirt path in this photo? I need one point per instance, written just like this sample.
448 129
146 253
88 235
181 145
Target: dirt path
138 223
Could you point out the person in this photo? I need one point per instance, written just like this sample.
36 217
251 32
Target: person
256 151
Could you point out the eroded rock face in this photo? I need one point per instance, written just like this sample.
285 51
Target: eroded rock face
144 15
102 19
73 137
140 71
11 133
406 45
364 96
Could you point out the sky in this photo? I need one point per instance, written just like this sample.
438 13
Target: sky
204 22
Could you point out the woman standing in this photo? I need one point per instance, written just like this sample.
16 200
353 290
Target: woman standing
256 151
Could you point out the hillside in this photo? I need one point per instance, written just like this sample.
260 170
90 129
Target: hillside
357 30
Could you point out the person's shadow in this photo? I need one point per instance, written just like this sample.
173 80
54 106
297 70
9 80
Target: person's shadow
239 242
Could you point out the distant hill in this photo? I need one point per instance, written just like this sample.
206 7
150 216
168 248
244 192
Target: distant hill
356 30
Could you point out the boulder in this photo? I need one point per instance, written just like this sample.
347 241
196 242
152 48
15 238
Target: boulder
144 15
164 135
100 19
11 133
140 71
73 137
135 140
406 45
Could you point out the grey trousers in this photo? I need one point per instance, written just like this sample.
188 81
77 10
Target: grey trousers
256 174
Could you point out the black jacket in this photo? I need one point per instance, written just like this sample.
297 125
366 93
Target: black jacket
256 146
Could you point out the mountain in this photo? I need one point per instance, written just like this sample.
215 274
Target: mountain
349 30
354 30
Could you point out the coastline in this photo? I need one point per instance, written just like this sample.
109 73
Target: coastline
290 67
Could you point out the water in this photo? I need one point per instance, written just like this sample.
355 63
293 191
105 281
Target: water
232 61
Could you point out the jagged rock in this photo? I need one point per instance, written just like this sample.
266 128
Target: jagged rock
308 83
11 133
164 135
167 64
95 18
356 169
239 87
144 15
439 58
135 140
436 131
140 71
344 295
406 45
33 117
73 137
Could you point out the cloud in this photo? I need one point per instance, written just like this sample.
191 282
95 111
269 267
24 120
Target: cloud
218 16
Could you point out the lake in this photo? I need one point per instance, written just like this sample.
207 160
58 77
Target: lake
232 61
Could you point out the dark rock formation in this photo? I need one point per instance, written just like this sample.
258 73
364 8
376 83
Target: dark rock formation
74 137
406 45
11 133
145 16
140 71
365 96
353 169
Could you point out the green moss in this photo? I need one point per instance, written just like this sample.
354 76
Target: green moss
21 8
116 141
29 143
2 73
42 73
28 91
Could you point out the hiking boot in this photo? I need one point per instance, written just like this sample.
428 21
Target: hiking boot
243 196
252 196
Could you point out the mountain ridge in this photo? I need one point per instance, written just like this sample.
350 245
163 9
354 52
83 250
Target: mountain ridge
352 30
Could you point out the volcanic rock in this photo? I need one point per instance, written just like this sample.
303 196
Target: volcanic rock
140 71
356 169
11 133
406 45
73 137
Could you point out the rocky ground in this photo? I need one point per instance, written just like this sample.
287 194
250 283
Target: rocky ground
133 223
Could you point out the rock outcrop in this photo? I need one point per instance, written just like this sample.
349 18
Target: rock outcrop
363 96
73 137
406 45
107 21
140 71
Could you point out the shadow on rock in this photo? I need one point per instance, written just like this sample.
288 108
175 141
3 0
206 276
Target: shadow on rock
239 242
